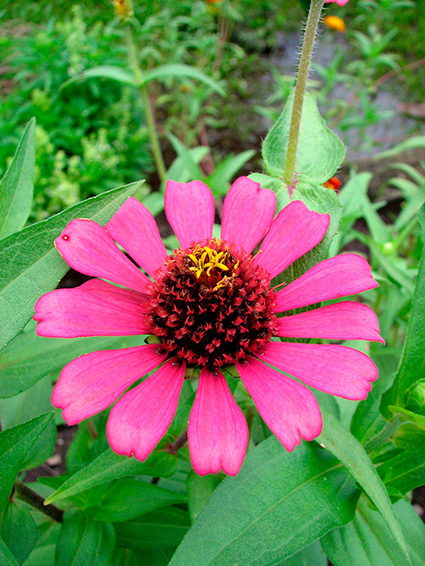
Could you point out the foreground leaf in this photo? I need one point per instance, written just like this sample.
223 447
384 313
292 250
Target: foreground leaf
18 530
6 557
279 503
16 187
336 438
84 541
14 446
31 266
366 541
110 466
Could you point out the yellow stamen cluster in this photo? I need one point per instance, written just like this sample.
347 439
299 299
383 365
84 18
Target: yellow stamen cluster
206 259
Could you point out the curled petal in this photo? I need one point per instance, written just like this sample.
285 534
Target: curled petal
218 433
88 248
92 382
288 408
339 276
135 229
337 370
142 416
293 233
95 308
340 321
190 211
247 213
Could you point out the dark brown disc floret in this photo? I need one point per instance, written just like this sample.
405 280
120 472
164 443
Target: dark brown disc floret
211 305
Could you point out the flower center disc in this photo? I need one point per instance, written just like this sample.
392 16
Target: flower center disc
211 306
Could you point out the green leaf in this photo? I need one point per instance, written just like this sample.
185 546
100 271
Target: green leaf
31 265
277 504
366 541
131 498
18 530
404 472
313 555
110 466
7 558
159 530
29 358
320 152
26 406
411 143
176 70
15 444
412 365
83 541
104 72
351 453
199 490
224 172
187 157
16 187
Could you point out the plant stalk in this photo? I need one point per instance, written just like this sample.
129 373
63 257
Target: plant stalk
147 108
302 76
35 500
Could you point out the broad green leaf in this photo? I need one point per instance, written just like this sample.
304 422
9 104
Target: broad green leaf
110 466
31 265
83 541
16 187
28 405
130 498
18 530
15 444
48 533
351 453
313 555
366 541
279 503
320 152
29 358
134 557
104 72
161 529
412 365
7 558
176 70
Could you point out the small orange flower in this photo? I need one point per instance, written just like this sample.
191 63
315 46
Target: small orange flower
335 23
334 184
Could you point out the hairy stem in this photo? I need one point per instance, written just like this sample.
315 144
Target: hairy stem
147 108
302 76
35 500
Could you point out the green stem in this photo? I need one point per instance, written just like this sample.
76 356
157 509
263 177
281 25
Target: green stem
147 108
33 498
302 76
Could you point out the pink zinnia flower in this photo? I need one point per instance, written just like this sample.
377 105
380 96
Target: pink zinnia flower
210 305
339 2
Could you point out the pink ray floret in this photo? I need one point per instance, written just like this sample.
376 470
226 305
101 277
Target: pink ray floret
209 304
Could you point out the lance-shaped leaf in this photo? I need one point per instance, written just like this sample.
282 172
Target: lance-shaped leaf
277 504
16 187
14 446
320 152
336 438
31 265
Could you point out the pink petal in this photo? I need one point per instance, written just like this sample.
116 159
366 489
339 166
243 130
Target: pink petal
142 416
293 233
218 433
96 308
339 276
289 409
88 248
247 213
337 370
190 210
341 321
94 381
135 229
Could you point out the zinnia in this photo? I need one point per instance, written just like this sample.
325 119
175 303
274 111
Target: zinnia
210 306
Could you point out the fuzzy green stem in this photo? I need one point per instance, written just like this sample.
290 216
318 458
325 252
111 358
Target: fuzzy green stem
302 76
35 500
147 108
